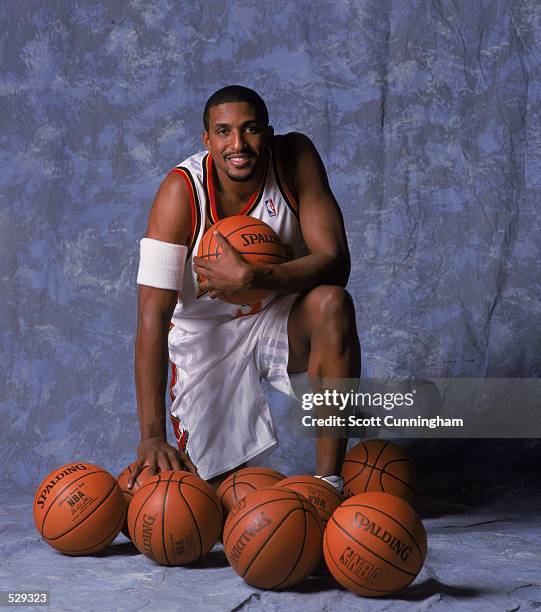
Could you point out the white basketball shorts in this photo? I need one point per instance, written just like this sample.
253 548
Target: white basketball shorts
219 411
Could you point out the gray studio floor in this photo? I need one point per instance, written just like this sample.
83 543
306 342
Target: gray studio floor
483 554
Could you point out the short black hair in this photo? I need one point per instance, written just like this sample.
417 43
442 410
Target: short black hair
236 93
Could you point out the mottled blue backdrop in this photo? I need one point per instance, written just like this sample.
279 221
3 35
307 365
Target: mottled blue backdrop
427 114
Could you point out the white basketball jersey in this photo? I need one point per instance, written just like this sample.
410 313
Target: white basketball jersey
220 352
271 203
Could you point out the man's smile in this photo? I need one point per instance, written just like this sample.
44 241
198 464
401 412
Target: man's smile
239 159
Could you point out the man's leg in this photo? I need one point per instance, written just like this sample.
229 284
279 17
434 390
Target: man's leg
323 340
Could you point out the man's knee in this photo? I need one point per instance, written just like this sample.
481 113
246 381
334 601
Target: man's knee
331 304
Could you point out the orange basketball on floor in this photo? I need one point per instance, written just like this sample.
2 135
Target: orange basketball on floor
175 518
378 465
374 544
256 242
322 494
122 480
237 485
79 509
272 538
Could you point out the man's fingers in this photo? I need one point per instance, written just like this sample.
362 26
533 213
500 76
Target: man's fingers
223 242
153 468
188 463
176 463
135 472
141 463
204 285
202 272
200 263
164 463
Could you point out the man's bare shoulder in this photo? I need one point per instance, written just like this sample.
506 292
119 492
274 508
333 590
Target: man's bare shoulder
296 143
301 162
170 216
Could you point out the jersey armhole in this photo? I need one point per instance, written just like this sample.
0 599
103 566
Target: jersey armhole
194 206
283 186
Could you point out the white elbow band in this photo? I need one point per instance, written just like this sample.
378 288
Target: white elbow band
161 264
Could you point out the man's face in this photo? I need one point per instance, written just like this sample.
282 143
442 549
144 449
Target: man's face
237 139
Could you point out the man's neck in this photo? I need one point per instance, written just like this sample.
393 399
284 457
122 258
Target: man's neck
231 193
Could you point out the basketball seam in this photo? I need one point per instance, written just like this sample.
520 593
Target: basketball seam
374 466
382 469
316 484
193 520
134 538
233 485
363 445
318 509
301 550
263 544
271 473
225 491
88 515
237 499
234 479
191 484
238 518
384 473
163 520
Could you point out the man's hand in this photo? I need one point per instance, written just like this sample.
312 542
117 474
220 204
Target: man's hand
228 273
159 456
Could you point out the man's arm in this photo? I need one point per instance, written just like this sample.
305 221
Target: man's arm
322 227
321 223
170 221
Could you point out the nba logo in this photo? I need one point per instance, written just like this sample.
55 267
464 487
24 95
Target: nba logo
271 209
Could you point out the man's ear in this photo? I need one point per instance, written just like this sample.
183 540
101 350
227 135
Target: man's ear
205 139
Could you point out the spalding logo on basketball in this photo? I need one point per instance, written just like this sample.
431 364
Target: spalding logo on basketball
255 241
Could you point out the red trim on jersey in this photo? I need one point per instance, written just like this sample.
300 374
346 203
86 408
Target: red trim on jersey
193 207
181 436
210 187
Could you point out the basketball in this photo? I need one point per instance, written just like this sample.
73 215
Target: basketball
175 518
237 485
122 480
374 544
378 465
256 242
322 494
79 509
272 538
